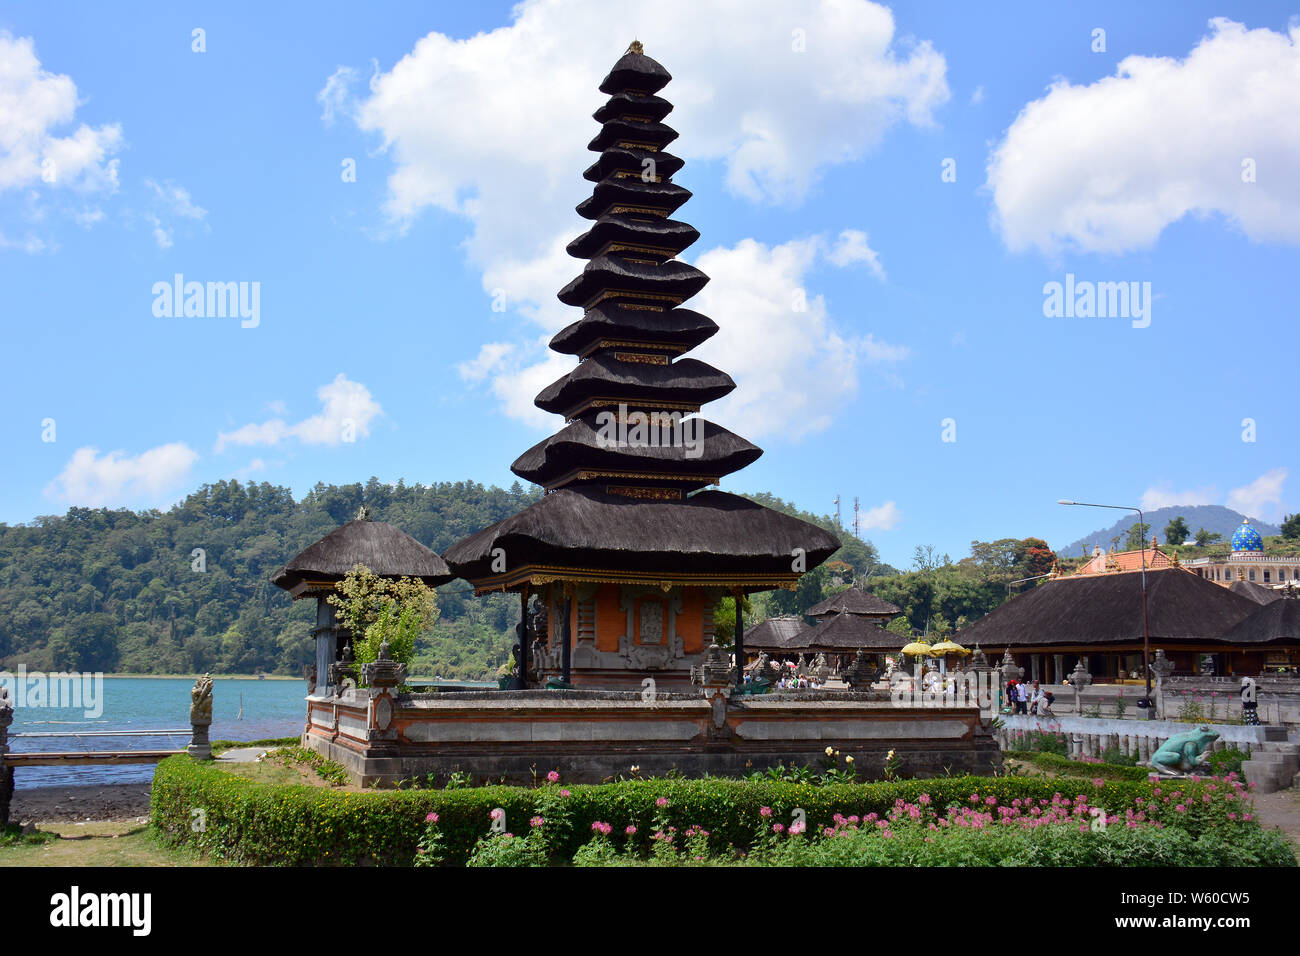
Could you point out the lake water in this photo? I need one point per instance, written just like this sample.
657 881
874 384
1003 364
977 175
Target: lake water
271 708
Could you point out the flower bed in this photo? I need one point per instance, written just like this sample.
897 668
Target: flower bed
677 821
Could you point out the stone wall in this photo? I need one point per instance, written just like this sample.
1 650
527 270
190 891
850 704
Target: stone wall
590 736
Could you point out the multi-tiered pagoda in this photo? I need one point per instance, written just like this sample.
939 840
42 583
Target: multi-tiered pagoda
627 551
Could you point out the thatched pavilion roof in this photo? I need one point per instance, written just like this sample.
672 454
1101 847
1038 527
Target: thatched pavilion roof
774 634
712 532
384 549
846 632
1102 609
854 601
1277 621
1256 592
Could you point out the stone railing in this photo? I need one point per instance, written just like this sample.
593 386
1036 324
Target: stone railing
1091 736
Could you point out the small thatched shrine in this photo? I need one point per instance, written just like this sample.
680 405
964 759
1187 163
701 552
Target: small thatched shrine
313 573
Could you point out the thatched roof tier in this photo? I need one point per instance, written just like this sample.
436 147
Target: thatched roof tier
854 601
774 634
673 279
649 238
699 454
631 162
635 72
844 632
384 549
617 132
1098 610
1277 622
710 534
1256 592
608 325
624 105
640 385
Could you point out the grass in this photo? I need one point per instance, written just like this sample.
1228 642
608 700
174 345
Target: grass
109 843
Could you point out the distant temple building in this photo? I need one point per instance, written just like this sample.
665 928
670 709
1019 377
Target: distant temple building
1248 562
628 551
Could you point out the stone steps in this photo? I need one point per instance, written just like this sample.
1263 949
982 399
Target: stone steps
1274 765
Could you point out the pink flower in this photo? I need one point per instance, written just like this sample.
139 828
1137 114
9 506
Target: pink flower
778 828
497 814
923 799
661 802
431 818
565 793
536 822
764 811
1098 782
630 830
553 776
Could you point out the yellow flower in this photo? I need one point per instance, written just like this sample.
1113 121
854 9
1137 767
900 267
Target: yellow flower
829 751
848 759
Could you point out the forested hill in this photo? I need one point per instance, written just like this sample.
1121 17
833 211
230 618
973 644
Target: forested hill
115 590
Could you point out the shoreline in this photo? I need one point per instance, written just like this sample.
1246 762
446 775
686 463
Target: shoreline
78 803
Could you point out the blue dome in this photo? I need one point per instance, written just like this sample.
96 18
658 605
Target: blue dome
1247 538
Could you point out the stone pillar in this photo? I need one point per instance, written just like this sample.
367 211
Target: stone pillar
200 747
6 771
326 634
1033 667
1161 667
1058 668
382 677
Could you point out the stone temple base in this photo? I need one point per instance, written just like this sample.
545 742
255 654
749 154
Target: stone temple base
593 736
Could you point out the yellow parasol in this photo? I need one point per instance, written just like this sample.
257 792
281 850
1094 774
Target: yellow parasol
918 649
943 648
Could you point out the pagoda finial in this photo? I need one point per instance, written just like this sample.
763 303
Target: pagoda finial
363 514
636 47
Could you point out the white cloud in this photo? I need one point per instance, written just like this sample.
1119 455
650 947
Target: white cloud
884 517
335 96
852 248
93 480
1163 495
774 128
347 409
793 368
977 97
490 358
161 234
35 102
1262 498
176 199
1107 166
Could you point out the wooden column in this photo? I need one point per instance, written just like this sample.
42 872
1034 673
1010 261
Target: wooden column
740 637
566 637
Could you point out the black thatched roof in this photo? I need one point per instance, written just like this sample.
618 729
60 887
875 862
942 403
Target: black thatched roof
653 108
1100 609
585 527
681 328
1277 621
635 72
658 238
712 452
774 634
844 632
640 386
1256 592
384 549
854 601
672 278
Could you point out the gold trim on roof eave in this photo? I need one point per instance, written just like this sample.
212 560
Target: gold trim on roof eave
549 574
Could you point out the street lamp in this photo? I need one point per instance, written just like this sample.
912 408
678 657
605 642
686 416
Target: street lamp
1146 630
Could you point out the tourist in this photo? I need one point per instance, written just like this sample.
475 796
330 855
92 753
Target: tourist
1035 696
1022 698
1045 704
1249 705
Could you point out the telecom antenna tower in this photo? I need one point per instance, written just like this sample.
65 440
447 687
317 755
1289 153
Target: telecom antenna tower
838 523
855 517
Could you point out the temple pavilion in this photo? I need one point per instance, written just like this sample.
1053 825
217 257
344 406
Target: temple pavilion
630 549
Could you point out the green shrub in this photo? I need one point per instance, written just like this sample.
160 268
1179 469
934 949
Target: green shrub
1080 768
259 823
1224 762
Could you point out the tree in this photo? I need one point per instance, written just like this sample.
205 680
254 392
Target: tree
1291 526
1137 535
1203 537
1176 531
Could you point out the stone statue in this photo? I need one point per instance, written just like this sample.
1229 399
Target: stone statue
1184 753
200 718
201 700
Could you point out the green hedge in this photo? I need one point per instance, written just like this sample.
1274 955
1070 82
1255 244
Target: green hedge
259 823
1080 768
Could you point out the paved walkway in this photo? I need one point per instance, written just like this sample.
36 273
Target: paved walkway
244 754
1281 810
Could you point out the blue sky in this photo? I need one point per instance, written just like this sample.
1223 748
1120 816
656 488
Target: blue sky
815 137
